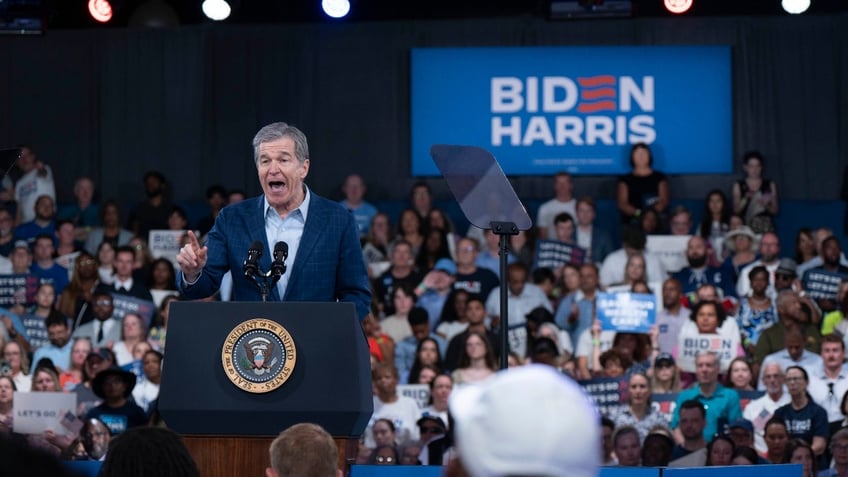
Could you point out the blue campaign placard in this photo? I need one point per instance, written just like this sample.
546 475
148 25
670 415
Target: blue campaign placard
540 110
772 470
822 284
626 312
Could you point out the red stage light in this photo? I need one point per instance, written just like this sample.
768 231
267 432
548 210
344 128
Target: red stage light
678 6
100 10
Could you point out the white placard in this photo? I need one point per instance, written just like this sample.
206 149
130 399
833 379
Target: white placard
165 243
670 249
690 345
419 392
36 412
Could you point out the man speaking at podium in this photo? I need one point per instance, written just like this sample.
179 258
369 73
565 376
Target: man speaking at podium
324 258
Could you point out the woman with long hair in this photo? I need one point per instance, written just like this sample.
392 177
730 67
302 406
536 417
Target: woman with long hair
411 229
427 353
638 412
754 197
106 252
798 451
75 300
159 332
715 220
453 320
72 376
739 376
18 361
7 394
805 246
440 391
666 378
434 248
162 280
133 331
375 249
476 361
396 325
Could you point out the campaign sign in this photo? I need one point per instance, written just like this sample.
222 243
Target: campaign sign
419 392
129 304
671 250
627 312
690 346
664 404
553 254
516 335
606 393
18 289
540 110
36 412
166 243
822 284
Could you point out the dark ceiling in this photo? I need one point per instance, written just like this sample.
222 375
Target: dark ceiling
61 14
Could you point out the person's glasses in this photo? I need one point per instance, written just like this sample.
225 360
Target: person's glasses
794 379
839 447
385 460
432 430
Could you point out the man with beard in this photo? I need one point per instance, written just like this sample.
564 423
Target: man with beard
769 258
790 317
830 253
672 317
43 223
95 439
58 351
698 272
152 214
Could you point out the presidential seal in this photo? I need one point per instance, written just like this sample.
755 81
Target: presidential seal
258 355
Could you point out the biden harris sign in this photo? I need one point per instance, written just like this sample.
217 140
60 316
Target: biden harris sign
578 109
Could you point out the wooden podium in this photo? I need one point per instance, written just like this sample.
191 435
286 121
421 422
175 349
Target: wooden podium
227 428
228 456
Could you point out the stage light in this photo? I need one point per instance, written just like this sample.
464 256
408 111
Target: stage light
795 6
216 9
678 6
336 8
100 10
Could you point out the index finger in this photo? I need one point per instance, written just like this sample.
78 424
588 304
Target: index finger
195 244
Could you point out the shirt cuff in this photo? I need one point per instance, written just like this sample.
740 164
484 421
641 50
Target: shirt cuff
190 283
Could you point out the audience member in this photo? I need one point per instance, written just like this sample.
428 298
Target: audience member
638 411
83 212
790 317
145 451
401 410
427 354
469 277
642 189
522 297
7 232
798 451
769 258
73 374
421 198
563 201
692 422
401 271
673 315
477 360
740 245
44 266
95 439
497 433
104 329
760 410
720 451
755 197
303 450
36 180
627 446
44 222
18 361
829 379
58 349
216 199
633 243
435 288
476 316
700 272
117 411
354 200
715 221
152 213
656 450
839 449
110 231
804 418
721 404
590 237
681 221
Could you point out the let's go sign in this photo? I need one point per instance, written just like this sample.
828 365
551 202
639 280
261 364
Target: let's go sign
547 109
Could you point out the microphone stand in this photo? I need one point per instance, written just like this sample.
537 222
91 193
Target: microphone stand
265 280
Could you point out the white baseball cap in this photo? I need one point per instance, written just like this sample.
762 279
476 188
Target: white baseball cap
529 420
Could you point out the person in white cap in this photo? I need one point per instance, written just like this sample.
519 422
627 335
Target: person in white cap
524 421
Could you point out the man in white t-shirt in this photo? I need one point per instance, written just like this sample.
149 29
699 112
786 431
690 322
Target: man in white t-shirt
562 202
36 180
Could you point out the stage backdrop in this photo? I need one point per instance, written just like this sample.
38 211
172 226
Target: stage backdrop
542 110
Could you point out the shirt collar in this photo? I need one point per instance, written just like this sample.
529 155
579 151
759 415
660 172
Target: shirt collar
303 207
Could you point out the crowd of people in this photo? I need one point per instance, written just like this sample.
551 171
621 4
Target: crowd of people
435 316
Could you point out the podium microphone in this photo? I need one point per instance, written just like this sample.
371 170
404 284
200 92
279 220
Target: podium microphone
251 263
278 266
